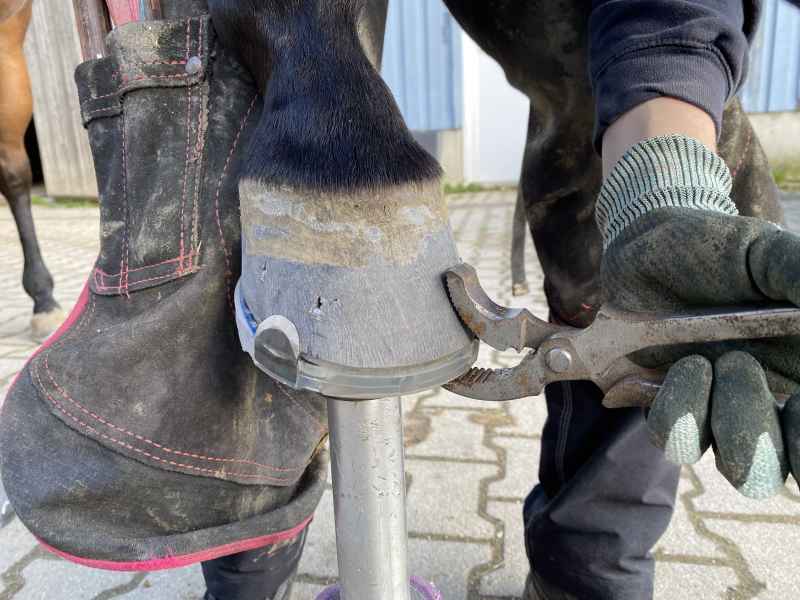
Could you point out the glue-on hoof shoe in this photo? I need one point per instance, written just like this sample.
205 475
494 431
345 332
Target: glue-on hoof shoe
342 293
419 588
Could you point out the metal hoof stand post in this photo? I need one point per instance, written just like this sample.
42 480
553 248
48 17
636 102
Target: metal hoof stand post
369 495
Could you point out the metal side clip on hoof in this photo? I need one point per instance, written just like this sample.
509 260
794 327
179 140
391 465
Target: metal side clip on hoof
598 353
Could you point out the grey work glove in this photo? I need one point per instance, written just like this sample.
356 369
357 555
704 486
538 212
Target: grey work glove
673 243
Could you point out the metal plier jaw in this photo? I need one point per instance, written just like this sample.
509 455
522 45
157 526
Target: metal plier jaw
598 353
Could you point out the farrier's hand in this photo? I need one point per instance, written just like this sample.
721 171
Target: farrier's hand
673 243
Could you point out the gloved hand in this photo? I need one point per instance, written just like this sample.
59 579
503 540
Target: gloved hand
673 242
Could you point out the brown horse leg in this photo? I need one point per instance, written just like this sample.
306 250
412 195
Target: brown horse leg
15 172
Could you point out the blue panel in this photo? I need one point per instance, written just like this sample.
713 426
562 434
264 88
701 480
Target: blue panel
392 68
774 80
786 59
422 63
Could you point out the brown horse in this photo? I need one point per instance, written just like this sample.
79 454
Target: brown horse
16 109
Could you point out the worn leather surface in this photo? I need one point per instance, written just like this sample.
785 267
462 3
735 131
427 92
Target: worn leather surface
145 418
170 230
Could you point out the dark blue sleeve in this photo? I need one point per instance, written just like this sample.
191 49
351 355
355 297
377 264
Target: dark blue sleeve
693 50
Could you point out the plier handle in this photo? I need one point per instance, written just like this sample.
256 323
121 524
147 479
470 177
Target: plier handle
598 353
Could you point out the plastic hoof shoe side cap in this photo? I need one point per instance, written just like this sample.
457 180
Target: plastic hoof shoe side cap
274 346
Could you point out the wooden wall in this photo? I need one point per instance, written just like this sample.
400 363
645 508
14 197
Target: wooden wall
53 51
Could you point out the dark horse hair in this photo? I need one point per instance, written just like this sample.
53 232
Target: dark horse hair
329 122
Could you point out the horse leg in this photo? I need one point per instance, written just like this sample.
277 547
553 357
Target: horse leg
16 109
519 281
336 196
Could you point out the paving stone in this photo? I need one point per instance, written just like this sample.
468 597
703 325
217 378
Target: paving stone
306 591
446 564
680 581
443 499
9 366
178 584
15 543
508 578
319 556
522 468
682 538
528 416
454 434
56 578
16 326
764 548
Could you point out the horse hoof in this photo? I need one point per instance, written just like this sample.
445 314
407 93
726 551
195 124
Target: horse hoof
45 323
6 512
520 289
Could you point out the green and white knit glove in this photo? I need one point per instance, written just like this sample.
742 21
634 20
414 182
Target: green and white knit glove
673 243
661 172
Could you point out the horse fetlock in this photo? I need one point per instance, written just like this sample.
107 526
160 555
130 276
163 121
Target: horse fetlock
38 284
329 121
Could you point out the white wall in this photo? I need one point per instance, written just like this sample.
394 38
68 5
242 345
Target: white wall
779 134
495 119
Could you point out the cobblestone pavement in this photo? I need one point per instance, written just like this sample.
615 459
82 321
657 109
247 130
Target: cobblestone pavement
469 464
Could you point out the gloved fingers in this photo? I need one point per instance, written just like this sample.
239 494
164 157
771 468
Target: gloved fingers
678 420
673 258
790 422
774 264
746 428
